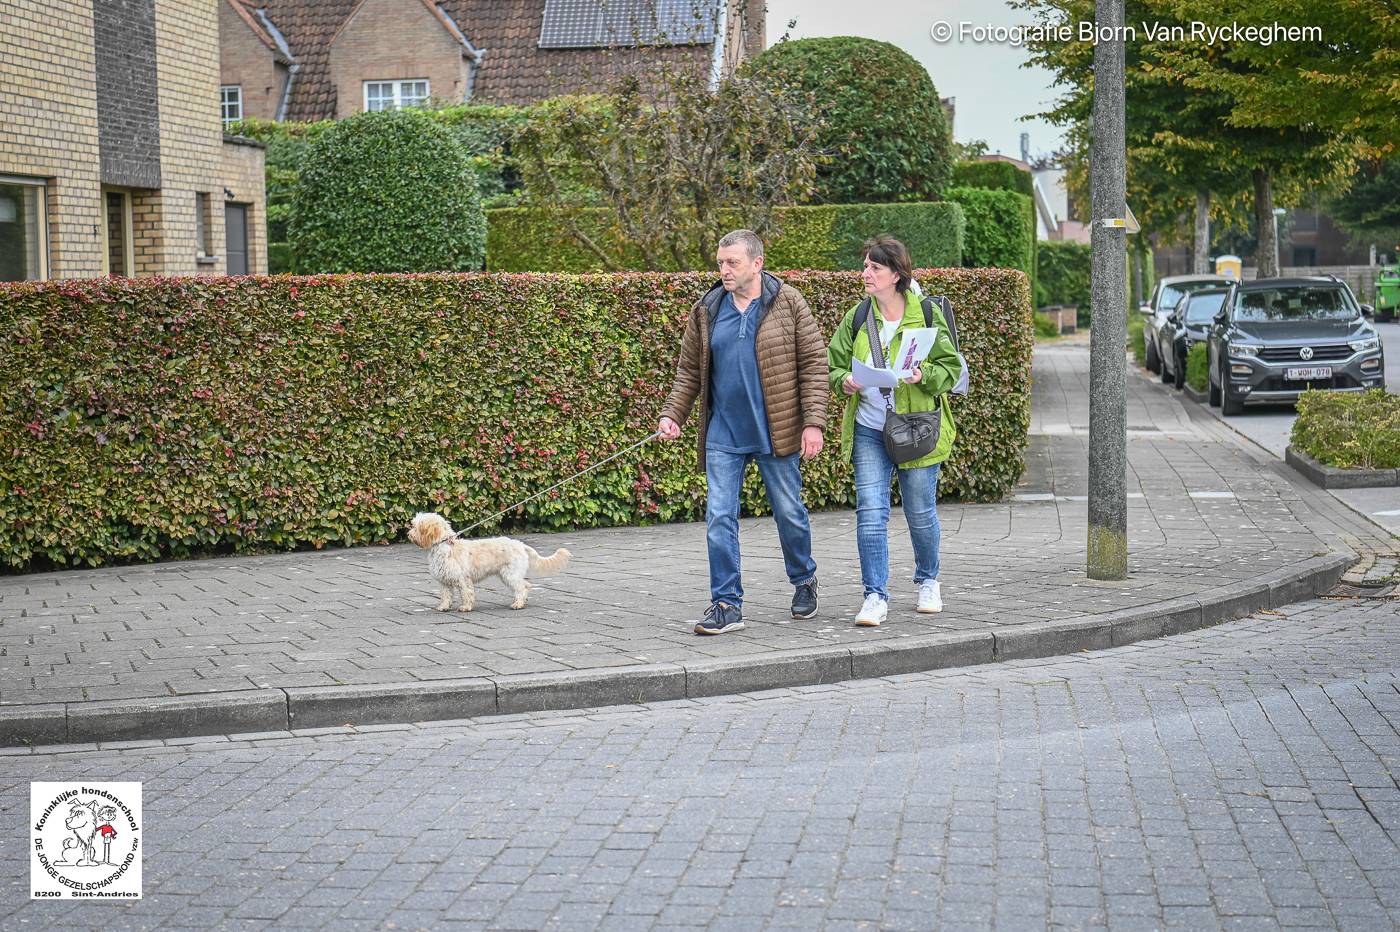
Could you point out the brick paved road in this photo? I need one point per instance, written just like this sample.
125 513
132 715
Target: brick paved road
1239 777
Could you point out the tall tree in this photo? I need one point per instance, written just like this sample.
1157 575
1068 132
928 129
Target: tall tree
1183 140
1335 73
670 166
1370 208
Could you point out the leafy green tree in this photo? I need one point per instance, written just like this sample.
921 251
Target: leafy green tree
1187 147
883 135
1371 206
668 165
1338 79
388 191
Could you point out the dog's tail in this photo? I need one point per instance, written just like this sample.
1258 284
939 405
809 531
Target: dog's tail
543 566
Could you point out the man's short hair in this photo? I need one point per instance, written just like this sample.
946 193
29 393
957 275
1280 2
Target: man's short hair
746 238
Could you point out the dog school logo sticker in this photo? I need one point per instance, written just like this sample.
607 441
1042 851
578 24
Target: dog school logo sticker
86 841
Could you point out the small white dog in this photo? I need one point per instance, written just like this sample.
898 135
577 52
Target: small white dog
457 564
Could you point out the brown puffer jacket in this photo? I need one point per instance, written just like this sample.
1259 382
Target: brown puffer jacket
791 366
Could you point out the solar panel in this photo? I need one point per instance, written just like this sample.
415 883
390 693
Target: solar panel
574 24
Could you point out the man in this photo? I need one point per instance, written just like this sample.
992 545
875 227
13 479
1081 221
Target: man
753 355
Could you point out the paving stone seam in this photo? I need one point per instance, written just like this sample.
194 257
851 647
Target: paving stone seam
282 709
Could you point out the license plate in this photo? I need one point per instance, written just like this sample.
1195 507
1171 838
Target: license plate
1308 374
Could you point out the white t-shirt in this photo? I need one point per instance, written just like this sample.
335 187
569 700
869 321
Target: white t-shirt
871 412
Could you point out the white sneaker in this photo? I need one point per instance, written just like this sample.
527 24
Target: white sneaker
873 612
930 598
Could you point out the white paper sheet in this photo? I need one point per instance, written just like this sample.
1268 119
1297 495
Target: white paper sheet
870 377
915 349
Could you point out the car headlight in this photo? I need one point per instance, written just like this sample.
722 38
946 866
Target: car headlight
1245 349
1366 345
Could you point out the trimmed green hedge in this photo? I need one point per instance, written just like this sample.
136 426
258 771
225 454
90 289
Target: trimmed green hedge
827 236
1197 367
882 125
483 130
149 418
1000 233
1063 275
387 191
1359 430
1137 323
1002 176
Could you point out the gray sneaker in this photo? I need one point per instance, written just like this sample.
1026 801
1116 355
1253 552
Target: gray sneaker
720 618
804 599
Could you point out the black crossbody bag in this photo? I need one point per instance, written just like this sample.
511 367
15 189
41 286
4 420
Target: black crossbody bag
908 437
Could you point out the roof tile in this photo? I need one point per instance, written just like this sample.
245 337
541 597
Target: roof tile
514 70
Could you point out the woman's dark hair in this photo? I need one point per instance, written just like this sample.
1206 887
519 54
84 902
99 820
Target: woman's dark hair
890 252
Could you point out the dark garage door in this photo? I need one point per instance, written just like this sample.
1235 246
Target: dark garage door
236 225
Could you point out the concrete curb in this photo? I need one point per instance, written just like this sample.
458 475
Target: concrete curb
1330 477
283 709
1198 397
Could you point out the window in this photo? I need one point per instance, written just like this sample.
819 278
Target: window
24 234
203 226
231 102
1296 302
1171 294
395 95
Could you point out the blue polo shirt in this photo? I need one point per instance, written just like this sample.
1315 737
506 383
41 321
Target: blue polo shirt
738 416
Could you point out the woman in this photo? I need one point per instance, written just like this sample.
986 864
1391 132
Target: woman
888 275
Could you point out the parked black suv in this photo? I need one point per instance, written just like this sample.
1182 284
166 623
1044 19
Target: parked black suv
1187 324
1164 299
1277 337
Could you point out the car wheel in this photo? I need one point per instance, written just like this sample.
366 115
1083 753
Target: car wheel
1214 394
1180 374
1229 404
1154 364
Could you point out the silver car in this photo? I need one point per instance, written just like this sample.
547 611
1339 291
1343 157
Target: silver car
1165 297
1276 338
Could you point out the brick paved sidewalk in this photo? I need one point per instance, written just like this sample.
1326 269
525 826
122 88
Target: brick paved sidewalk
343 635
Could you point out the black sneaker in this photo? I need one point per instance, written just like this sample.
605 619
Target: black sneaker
719 618
804 600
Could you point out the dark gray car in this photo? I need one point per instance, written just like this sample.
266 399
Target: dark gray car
1276 338
1165 297
1188 324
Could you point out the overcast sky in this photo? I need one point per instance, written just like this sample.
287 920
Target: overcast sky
992 89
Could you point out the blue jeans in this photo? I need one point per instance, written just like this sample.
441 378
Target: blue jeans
918 489
782 481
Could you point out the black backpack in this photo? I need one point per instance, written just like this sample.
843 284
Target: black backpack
926 302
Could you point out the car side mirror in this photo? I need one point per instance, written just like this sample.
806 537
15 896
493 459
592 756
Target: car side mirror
1368 312
1221 317
1144 309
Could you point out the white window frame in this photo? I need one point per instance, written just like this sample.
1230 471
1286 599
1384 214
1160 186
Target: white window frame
395 99
42 226
225 102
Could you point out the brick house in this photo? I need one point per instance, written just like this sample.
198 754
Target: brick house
324 59
113 160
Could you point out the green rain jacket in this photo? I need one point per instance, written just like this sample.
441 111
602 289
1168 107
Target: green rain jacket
939 373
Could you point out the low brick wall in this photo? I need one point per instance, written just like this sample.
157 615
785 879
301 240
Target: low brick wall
1064 316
